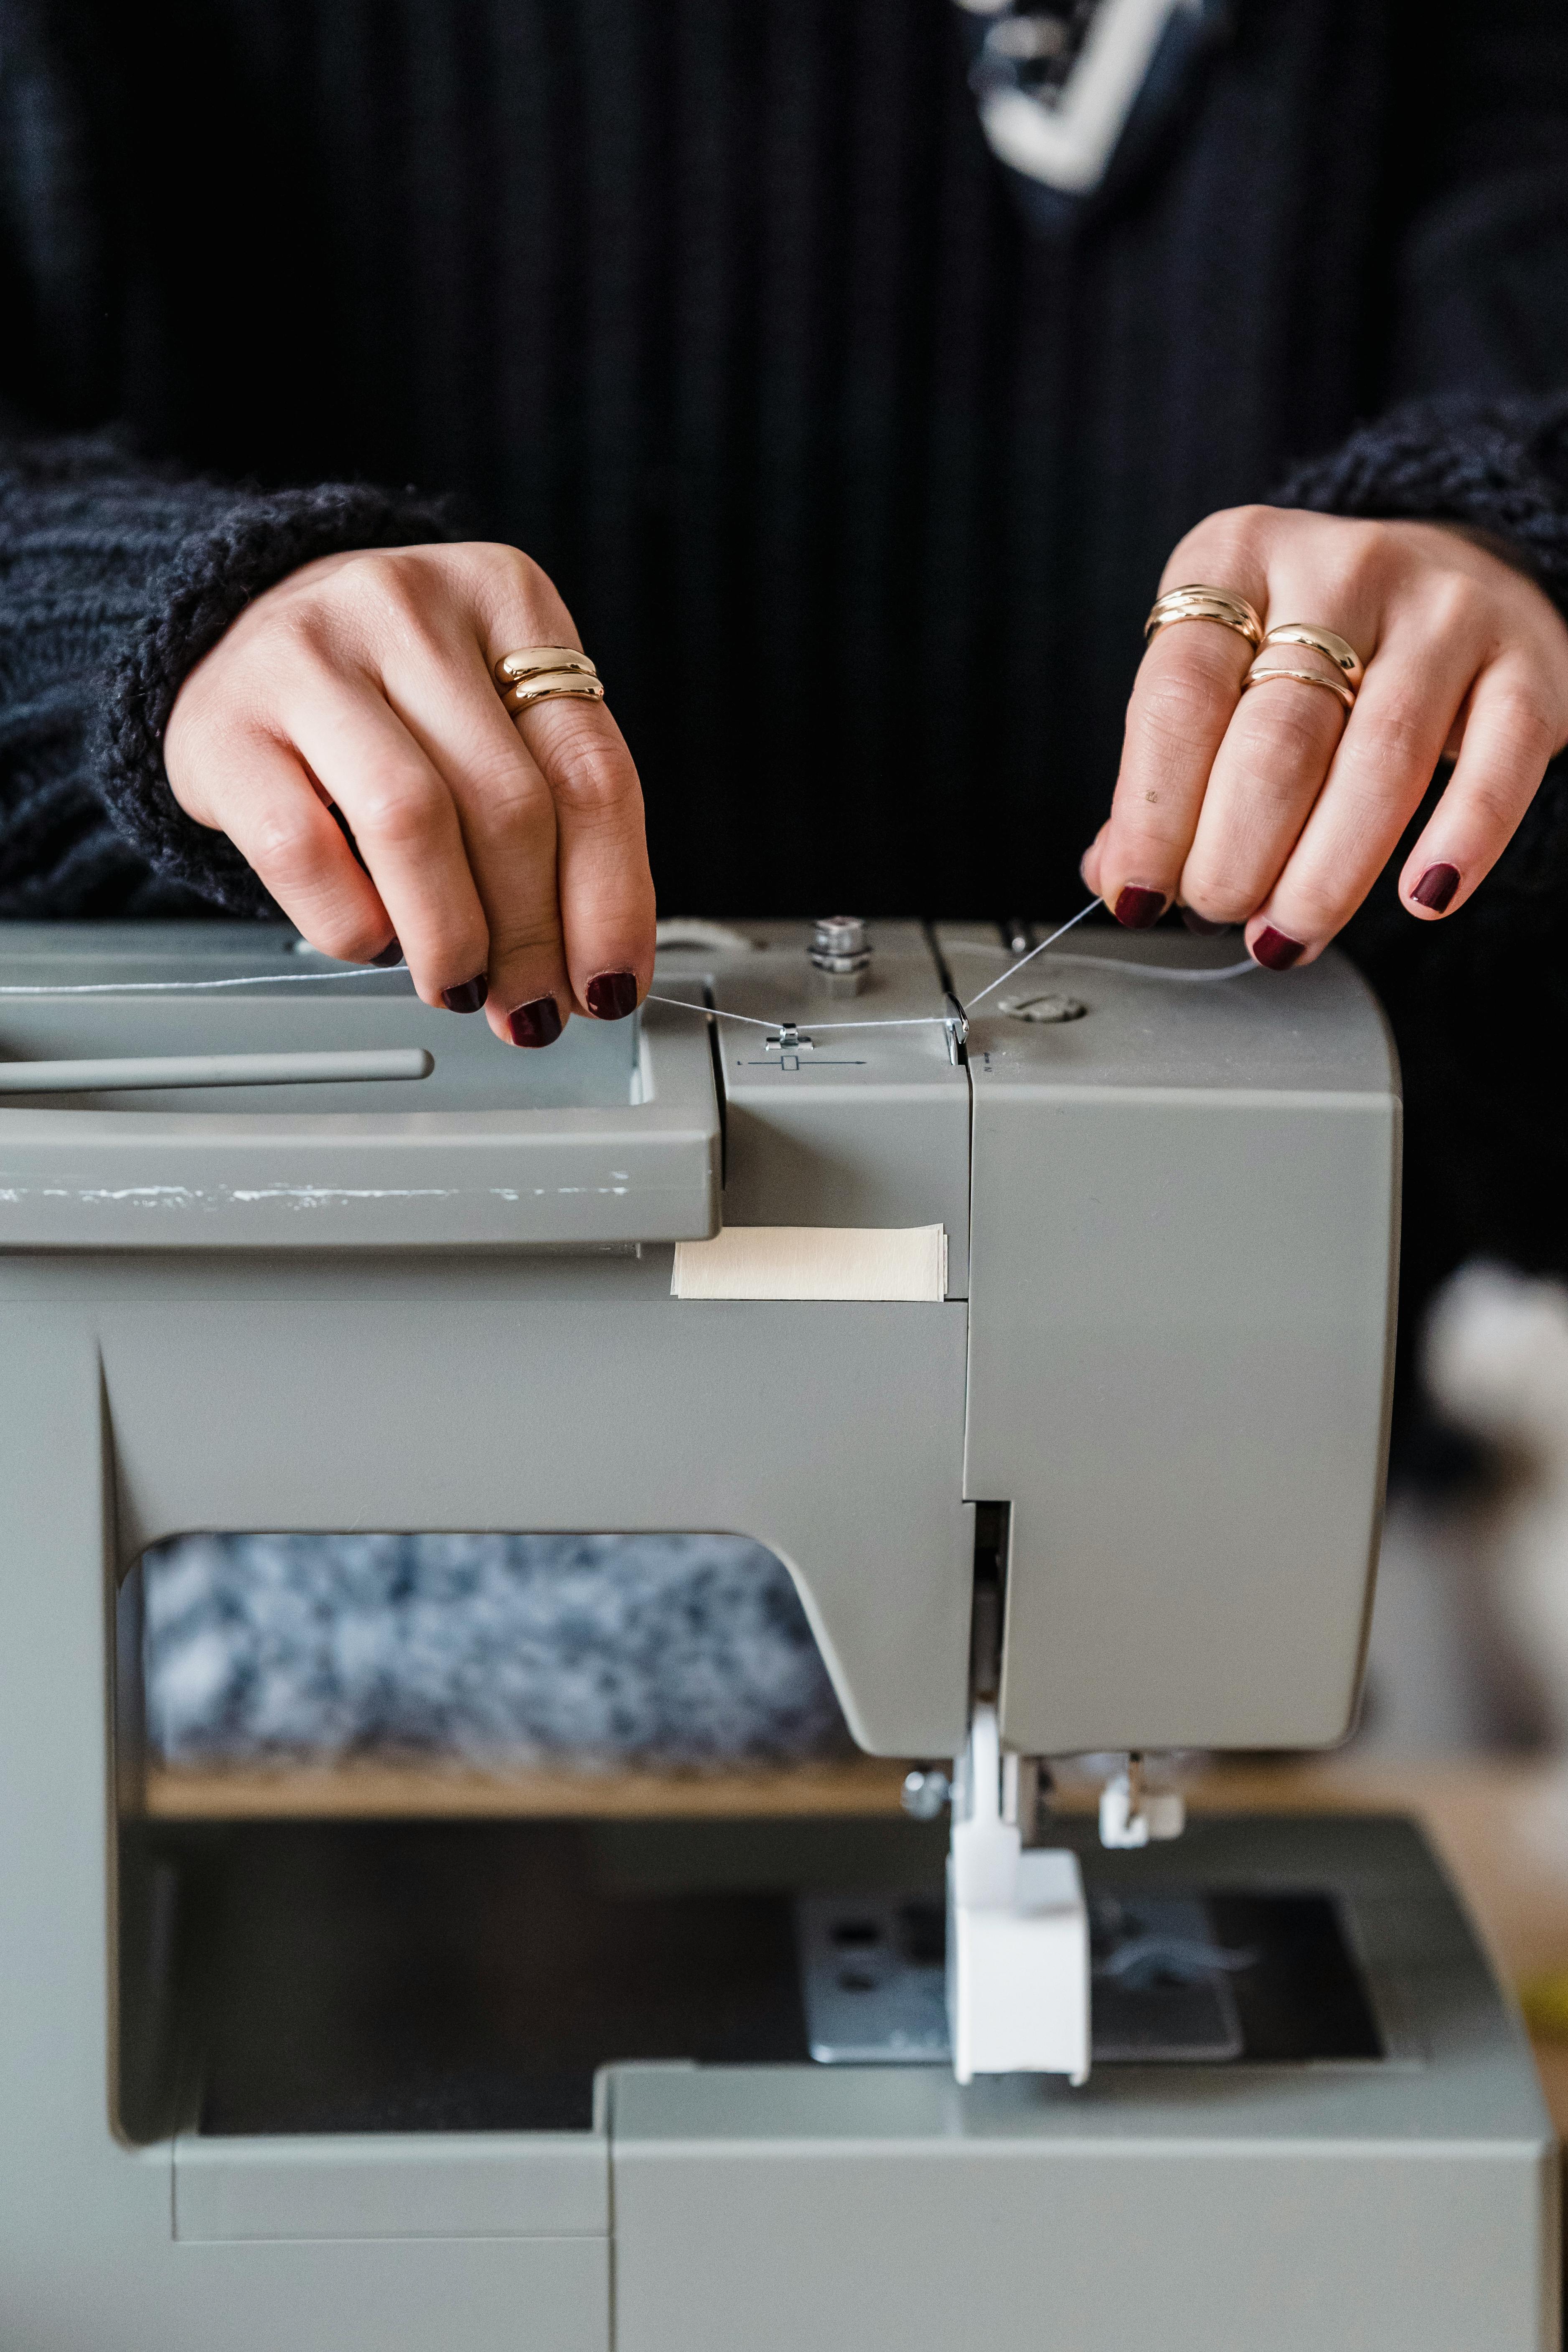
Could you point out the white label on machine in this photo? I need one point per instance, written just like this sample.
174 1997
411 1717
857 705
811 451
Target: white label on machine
814 1261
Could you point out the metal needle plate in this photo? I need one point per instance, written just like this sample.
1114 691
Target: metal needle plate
874 1981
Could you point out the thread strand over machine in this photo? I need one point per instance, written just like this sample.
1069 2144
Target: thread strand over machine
942 1020
1172 972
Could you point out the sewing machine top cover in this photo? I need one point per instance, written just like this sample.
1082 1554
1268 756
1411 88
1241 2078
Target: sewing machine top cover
1165 1340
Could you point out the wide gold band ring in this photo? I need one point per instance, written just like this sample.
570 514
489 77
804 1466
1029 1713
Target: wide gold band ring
1344 655
543 673
1197 602
1335 686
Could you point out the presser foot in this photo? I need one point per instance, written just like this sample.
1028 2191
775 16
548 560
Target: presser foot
1018 1934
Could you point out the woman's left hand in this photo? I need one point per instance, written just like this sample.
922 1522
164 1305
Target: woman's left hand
1274 808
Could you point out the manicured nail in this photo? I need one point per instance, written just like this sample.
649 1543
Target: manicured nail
1437 888
467 996
1201 925
390 954
1274 951
537 1024
612 995
1137 907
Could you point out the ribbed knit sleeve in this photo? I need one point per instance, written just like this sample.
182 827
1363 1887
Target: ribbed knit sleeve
1499 465
115 579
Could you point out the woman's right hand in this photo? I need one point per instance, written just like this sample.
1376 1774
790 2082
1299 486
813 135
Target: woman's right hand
507 858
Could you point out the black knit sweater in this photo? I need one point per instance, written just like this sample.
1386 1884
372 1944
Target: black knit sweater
858 484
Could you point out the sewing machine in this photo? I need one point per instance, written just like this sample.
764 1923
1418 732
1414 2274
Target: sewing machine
1049 1346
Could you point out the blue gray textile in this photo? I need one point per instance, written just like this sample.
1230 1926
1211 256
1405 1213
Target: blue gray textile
491 1649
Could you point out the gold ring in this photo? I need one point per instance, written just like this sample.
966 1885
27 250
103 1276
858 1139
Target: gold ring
549 686
1335 686
1324 641
533 659
543 673
1198 602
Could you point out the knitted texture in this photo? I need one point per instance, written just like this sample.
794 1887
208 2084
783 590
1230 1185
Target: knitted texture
117 576
205 579
1500 466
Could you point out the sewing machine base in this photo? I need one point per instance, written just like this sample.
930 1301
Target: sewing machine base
427 2064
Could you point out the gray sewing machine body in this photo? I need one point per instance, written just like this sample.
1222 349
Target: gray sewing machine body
1156 1386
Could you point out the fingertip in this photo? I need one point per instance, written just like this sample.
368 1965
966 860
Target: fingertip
1275 950
1138 905
1434 891
612 995
536 1023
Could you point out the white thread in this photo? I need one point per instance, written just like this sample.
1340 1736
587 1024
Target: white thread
920 1021
1173 971
1180 974
1003 978
750 1020
190 987
676 1003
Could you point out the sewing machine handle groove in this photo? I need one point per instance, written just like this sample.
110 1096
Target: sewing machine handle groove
124 1072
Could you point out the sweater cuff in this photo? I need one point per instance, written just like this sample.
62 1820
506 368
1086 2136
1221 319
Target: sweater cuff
251 543
1499 465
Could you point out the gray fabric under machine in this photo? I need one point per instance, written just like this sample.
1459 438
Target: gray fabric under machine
494 1649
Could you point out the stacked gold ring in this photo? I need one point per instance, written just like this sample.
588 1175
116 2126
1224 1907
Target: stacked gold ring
1334 648
1324 641
1197 602
541 673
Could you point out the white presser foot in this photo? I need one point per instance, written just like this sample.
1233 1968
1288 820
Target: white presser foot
1018 1934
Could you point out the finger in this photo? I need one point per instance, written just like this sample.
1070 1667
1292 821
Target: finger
1182 701
1389 749
446 695
605 887
402 815
1267 773
510 825
1508 738
605 896
1088 870
275 815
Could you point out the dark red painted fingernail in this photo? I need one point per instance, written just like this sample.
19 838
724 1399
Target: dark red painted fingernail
392 953
1274 951
612 995
1138 907
467 996
1437 888
536 1023
1201 925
